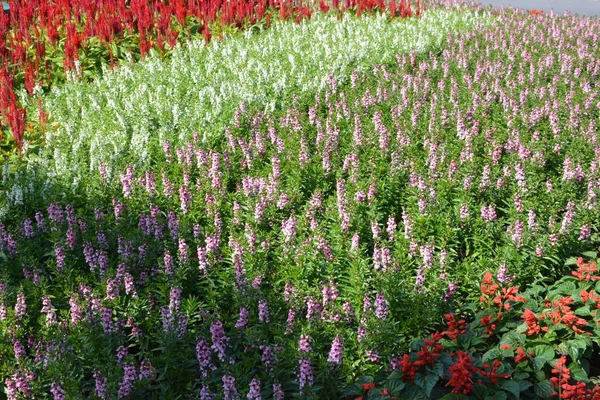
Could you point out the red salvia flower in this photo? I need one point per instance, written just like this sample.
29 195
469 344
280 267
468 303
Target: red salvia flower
461 374
531 322
491 372
521 355
455 328
586 271
408 368
487 322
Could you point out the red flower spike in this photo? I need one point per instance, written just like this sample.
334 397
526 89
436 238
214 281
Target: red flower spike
455 328
531 322
408 368
492 375
461 374
487 322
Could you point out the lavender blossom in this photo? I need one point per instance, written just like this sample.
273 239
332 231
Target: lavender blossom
21 306
337 349
263 311
381 308
219 339
254 392
229 390
306 373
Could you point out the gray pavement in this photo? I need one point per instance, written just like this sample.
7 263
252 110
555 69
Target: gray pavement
581 7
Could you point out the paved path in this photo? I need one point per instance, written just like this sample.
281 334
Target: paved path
581 7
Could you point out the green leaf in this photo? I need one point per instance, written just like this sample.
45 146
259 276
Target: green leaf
453 396
497 396
566 288
520 376
395 387
491 354
414 392
481 391
576 348
578 373
544 351
513 339
571 261
353 390
538 363
583 311
543 389
511 387
426 382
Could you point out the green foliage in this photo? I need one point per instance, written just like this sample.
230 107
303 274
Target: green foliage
512 359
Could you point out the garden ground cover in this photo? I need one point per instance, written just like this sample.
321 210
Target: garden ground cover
310 243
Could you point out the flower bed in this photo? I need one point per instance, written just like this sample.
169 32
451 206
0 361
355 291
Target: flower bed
308 244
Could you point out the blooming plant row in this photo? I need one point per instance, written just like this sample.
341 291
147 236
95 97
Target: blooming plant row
539 343
42 41
131 111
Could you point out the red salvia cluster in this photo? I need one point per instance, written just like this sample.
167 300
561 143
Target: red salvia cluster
32 25
560 313
429 353
487 321
461 373
488 287
522 355
565 390
586 271
455 328
491 372
531 320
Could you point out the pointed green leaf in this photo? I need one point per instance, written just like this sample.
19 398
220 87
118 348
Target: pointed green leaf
544 351
426 382
543 389
511 387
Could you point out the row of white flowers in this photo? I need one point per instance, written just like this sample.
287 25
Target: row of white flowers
199 88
